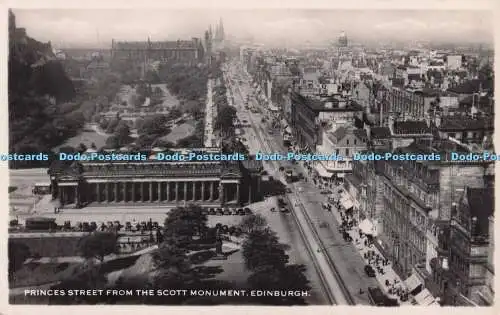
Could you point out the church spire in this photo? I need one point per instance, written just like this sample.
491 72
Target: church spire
221 29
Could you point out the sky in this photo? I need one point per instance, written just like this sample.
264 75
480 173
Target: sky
96 28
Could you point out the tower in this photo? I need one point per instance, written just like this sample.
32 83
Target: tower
221 30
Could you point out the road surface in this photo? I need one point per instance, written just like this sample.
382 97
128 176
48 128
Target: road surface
347 274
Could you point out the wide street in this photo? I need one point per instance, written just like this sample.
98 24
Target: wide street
306 199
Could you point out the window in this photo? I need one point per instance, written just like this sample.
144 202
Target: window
347 141
355 142
347 152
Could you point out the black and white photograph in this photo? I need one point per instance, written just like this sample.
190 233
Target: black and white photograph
265 156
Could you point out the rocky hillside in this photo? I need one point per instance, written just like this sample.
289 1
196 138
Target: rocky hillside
37 85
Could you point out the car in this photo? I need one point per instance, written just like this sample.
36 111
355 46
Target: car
284 210
241 212
369 271
219 211
247 210
211 211
226 211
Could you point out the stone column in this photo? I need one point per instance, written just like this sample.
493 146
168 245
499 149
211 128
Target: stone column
60 194
159 191
97 192
125 191
221 193
133 191
185 190
194 190
250 193
77 199
108 197
238 193
142 192
176 191
202 191
168 191
211 191
116 192
150 191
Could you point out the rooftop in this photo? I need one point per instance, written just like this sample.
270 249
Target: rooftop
466 123
470 87
331 104
380 133
411 127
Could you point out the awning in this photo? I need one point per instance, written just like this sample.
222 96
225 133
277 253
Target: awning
346 203
367 227
424 298
412 283
322 171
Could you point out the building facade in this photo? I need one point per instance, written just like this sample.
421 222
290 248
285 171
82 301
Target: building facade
312 115
469 248
162 182
417 194
180 50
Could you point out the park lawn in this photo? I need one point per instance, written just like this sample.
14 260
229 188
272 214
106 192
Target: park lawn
35 274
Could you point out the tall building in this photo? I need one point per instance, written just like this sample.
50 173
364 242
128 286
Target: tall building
181 50
219 33
343 39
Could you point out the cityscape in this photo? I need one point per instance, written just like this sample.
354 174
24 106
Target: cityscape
310 157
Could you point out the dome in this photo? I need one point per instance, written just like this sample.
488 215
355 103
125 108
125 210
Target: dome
343 39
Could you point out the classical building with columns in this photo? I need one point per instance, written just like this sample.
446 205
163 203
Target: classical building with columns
216 183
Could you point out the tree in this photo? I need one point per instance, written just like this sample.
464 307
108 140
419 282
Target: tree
262 249
254 222
112 142
112 126
97 245
182 224
18 253
171 257
224 119
122 132
235 146
154 126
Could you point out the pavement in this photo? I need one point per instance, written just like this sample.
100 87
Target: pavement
282 223
354 261
334 286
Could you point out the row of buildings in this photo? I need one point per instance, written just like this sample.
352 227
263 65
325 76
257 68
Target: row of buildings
432 219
